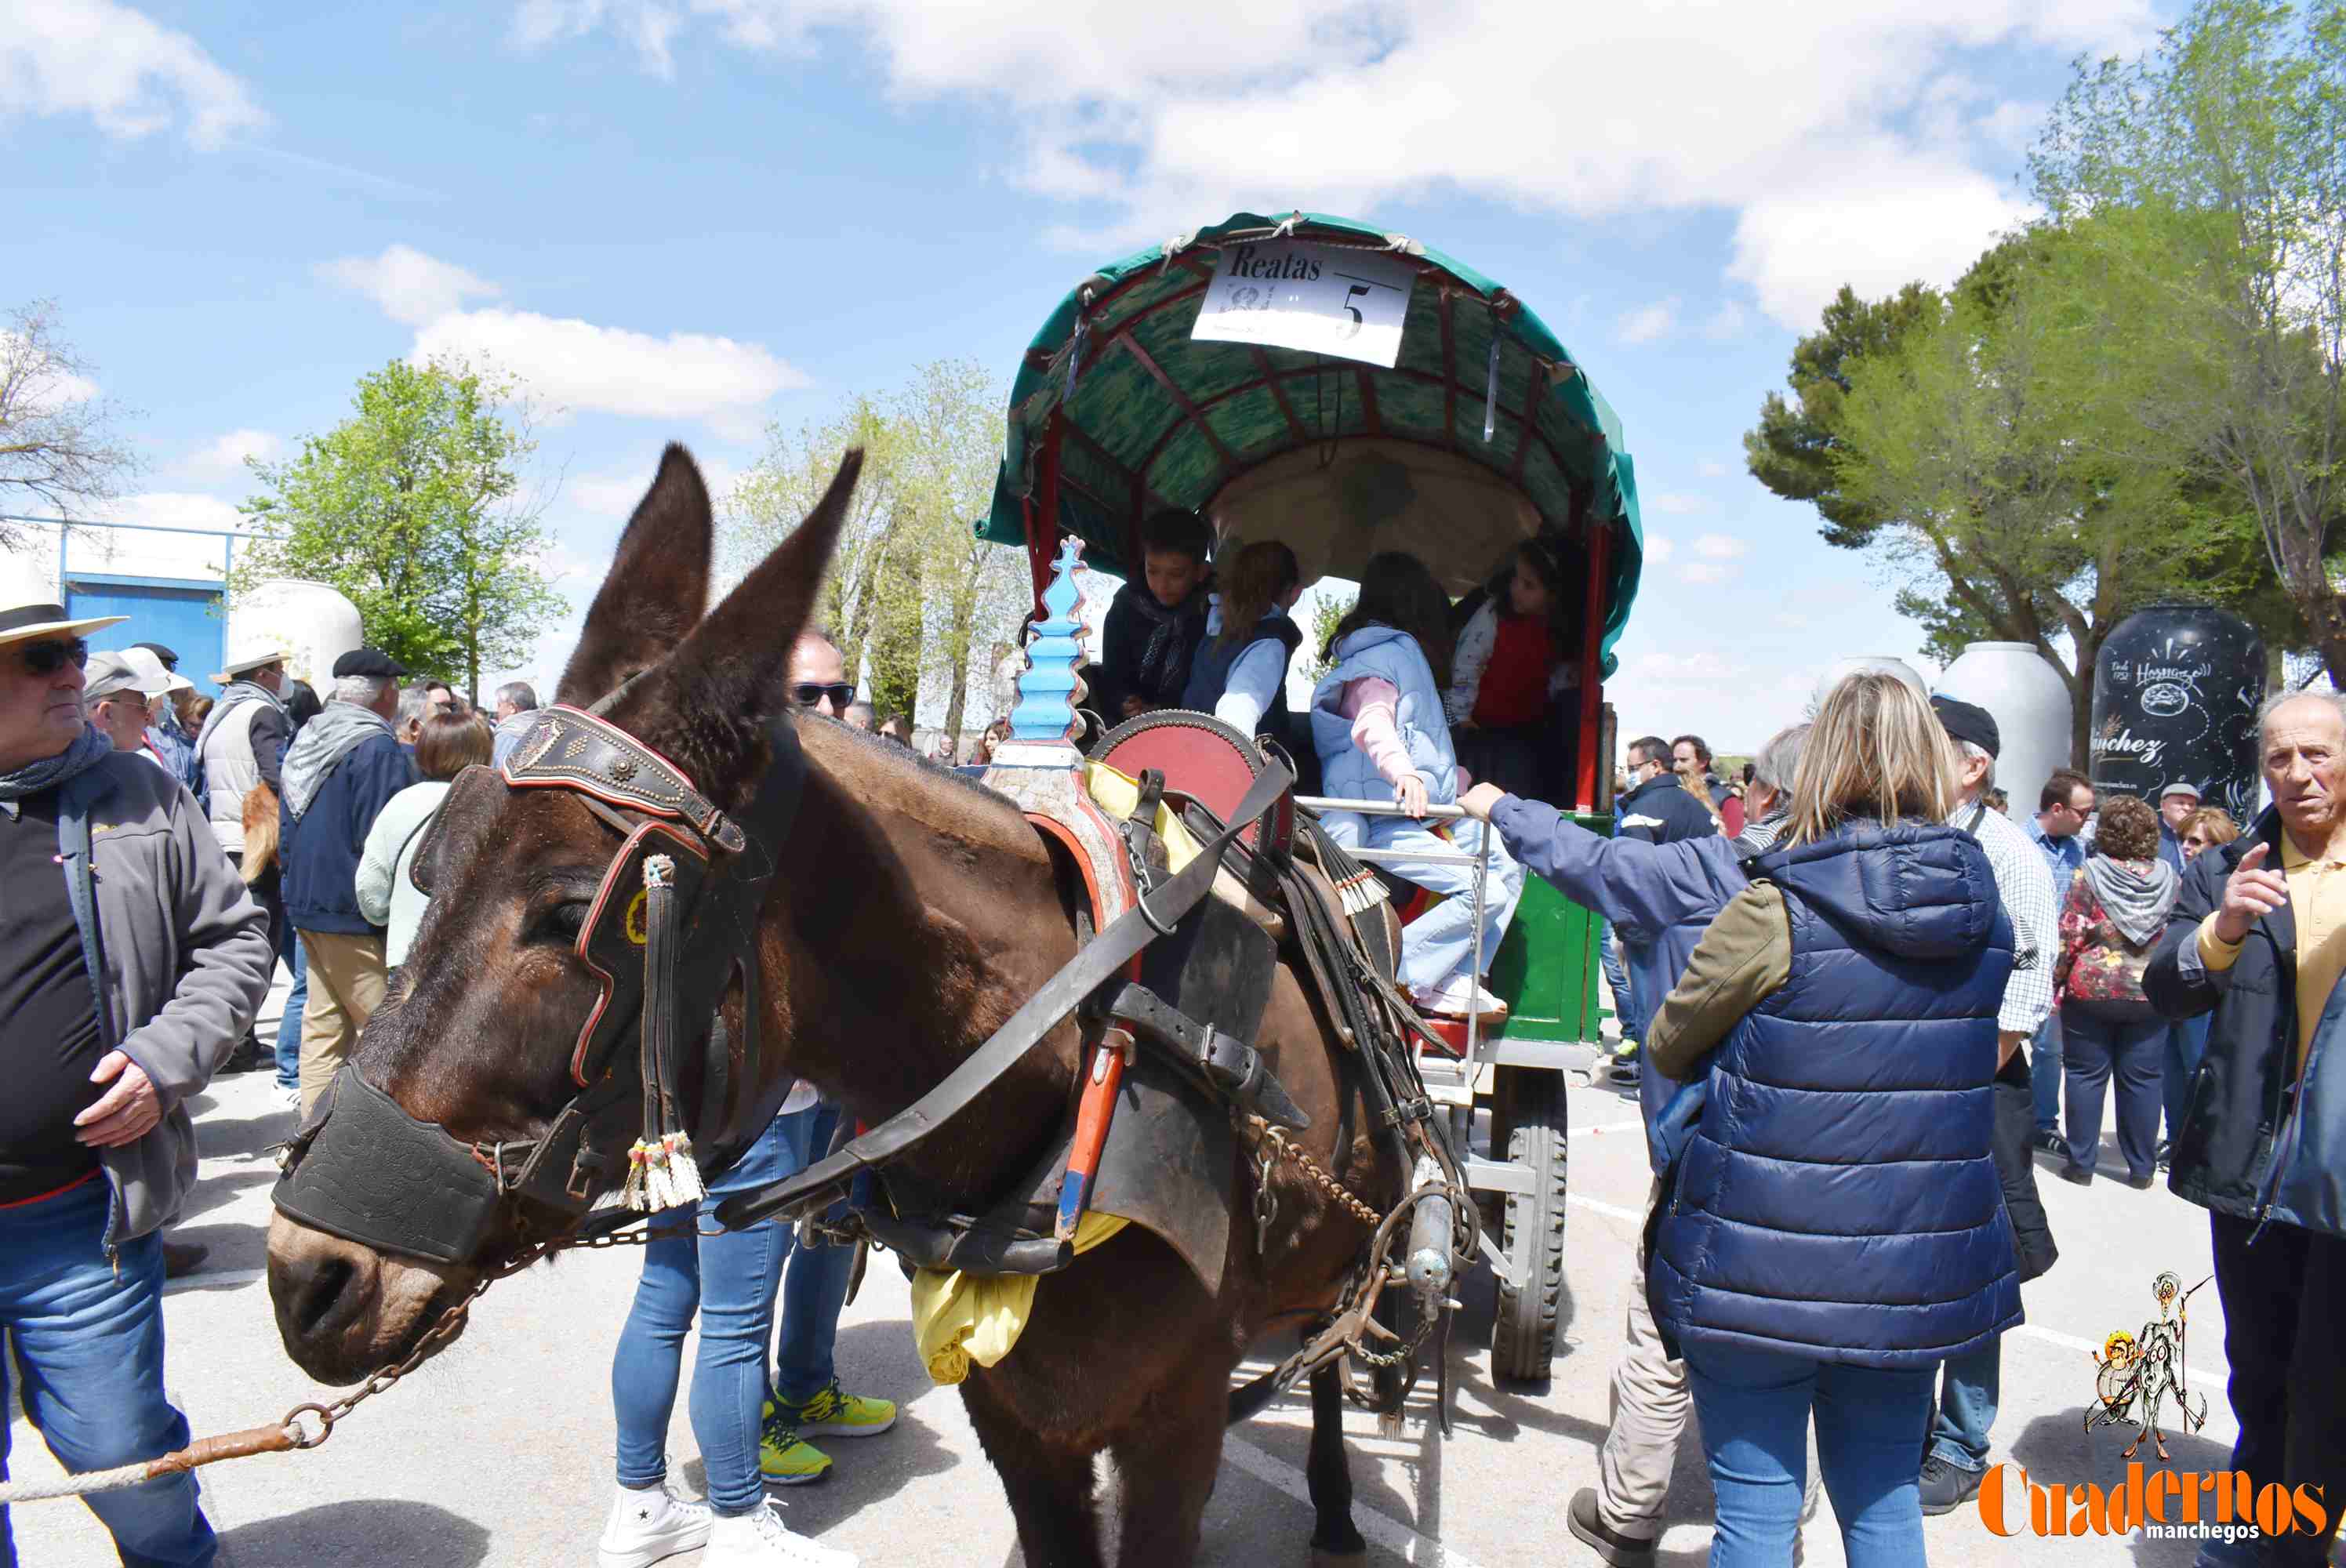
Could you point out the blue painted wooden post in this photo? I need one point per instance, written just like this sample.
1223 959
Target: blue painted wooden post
1044 724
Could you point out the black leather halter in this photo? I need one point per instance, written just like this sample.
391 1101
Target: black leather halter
673 924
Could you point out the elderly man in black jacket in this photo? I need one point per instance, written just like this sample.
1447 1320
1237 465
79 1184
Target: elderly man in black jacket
2259 936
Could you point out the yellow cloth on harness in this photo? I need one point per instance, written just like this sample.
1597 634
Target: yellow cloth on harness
1118 793
960 1317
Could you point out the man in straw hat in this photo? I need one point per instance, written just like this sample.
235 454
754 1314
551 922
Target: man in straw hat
243 741
103 853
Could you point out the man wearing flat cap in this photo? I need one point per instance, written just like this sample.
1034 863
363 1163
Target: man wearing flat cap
131 959
1955 1461
339 772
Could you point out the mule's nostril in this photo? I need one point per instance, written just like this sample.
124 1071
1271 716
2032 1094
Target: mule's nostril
322 1298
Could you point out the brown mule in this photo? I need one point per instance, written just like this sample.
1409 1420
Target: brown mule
914 913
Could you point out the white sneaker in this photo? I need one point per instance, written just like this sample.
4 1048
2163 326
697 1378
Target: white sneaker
1460 997
759 1539
287 1097
650 1523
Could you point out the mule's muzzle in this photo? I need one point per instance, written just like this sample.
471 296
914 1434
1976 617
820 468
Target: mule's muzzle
387 1181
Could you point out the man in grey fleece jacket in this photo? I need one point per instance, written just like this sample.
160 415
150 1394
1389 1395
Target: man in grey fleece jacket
132 958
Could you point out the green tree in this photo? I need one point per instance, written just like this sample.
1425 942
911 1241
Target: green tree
414 509
915 601
2212 174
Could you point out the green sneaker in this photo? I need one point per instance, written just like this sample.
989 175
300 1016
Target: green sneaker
786 1459
832 1413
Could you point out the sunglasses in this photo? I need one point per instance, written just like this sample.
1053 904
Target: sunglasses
808 693
51 655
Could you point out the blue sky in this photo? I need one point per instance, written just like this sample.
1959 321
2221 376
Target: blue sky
684 218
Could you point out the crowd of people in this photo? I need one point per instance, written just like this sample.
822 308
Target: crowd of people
1860 1000
1832 1005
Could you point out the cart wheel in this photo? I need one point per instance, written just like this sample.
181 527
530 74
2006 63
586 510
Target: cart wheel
1523 1339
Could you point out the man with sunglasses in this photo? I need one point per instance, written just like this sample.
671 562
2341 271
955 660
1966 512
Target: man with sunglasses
132 958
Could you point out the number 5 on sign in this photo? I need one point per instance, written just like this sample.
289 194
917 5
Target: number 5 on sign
1291 294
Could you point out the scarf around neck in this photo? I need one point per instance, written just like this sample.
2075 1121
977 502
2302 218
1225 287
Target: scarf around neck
339 728
2136 894
88 749
1173 639
235 694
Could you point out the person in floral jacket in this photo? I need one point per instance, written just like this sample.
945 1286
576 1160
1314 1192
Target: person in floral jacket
2116 908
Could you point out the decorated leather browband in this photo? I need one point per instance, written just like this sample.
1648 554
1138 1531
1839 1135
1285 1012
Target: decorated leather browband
571 749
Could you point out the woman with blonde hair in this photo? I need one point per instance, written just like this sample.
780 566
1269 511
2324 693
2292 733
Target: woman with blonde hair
2209 827
1239 674
1831 1226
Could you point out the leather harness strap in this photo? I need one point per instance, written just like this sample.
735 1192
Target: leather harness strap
1098 962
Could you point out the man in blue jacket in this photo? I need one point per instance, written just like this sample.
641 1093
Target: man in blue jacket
337 774
1664 878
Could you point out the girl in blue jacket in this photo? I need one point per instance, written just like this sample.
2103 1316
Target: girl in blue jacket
1377 724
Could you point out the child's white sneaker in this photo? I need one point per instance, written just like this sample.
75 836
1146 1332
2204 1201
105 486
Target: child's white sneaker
651 1522
759 1539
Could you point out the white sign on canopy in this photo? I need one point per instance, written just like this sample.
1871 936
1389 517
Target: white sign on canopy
1292 294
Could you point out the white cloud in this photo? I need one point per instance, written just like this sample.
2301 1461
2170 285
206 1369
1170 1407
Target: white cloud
1658 549
43 384
1720 546
567 363
1791 621
1676 502
1707 469
1661 669
574 364
130 75
223 457
1705 571
1726 322
1650 323
610 497
1144 121
412 289
177 509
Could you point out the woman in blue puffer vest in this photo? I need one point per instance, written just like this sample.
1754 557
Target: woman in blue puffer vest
1834 1227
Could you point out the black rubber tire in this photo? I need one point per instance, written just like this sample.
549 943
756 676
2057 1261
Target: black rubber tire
1523 1336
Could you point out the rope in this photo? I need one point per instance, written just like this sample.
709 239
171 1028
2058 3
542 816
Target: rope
179 1461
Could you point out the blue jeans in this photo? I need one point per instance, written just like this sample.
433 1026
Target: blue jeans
88 1334
289 1028
815 1288
2095 1049
1438 947
2185 1043
729 1277
1754 1408
2045 1075
1969 1385
1616 976
1636 955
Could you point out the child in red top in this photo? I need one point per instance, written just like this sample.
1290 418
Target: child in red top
1512 660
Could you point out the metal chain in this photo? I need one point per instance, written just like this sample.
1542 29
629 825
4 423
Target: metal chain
446 1327
1336 1191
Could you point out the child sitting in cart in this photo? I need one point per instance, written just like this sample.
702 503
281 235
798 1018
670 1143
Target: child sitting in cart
1513 661
1377 723
1154 625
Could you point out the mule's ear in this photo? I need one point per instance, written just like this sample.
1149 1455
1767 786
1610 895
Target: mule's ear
708 704
657 588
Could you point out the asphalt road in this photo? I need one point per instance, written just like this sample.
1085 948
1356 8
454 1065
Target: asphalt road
499 1452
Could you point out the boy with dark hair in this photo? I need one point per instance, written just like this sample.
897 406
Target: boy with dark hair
1155 624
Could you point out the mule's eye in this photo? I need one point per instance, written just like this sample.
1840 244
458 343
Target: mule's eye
562 922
